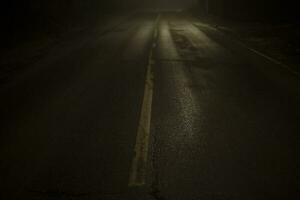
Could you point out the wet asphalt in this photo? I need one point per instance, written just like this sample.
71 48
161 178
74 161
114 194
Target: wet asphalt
224 120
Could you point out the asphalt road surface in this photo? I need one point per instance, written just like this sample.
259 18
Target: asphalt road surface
159 106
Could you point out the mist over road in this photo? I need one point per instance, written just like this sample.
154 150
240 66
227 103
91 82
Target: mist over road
223 120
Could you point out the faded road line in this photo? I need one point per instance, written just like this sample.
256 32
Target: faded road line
242 44
139 163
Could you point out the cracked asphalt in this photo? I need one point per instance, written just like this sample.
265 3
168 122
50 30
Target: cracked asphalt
224 120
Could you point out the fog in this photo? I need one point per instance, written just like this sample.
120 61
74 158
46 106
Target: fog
48 15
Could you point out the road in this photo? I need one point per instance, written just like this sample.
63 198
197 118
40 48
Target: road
160 106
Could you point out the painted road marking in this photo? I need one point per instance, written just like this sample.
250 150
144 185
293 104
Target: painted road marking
139 162
270 59
273 60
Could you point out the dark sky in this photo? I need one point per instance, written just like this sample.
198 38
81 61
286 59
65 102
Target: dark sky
24 8
18 13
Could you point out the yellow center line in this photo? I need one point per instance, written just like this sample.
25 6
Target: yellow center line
139 162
